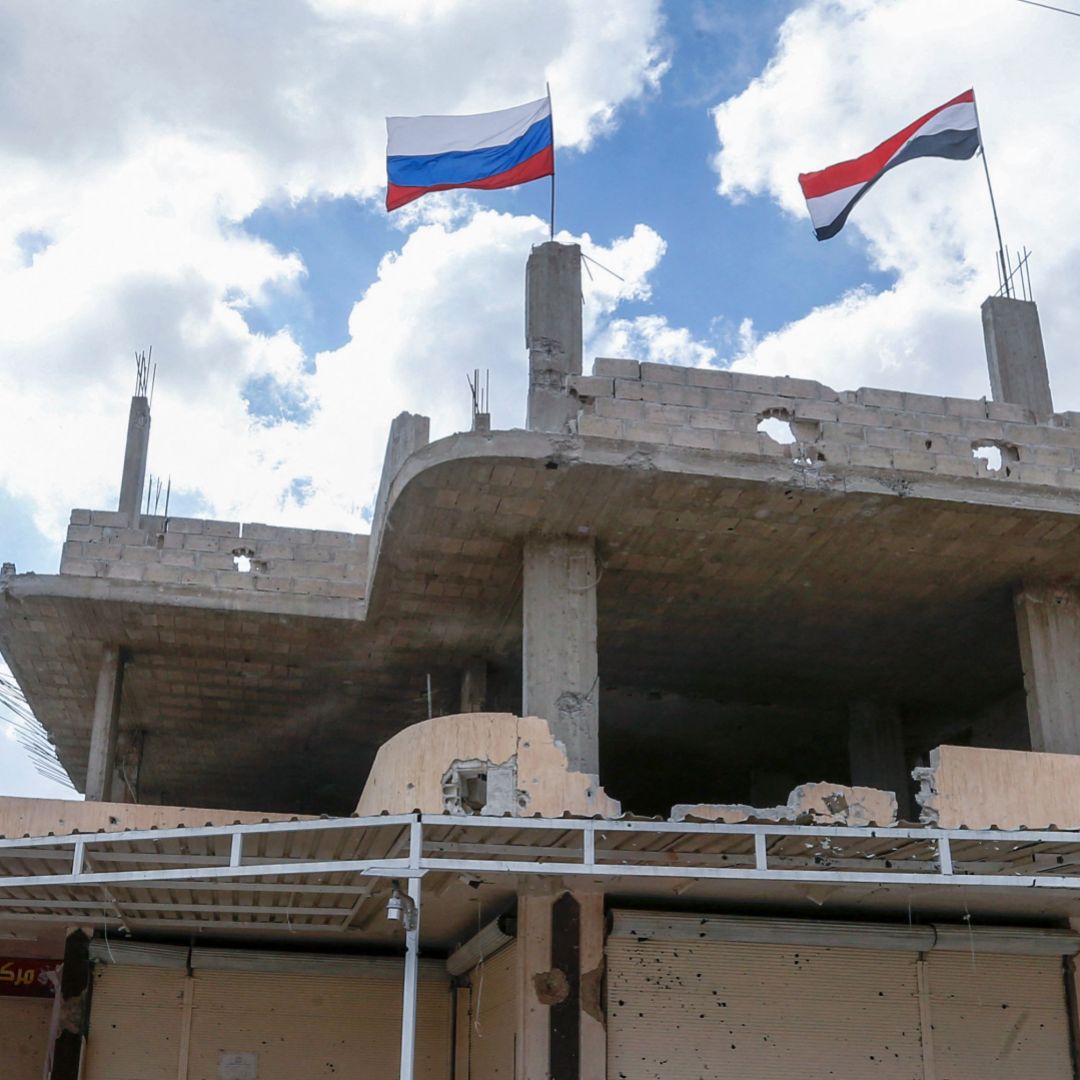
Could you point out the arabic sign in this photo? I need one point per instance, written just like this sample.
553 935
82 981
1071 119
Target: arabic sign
24 977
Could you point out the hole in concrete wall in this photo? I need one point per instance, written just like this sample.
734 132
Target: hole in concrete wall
242 557
998 456
777 425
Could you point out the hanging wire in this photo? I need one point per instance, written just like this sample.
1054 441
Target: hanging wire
1050 7
16 716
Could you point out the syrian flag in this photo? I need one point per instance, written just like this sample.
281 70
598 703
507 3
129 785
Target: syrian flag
949 131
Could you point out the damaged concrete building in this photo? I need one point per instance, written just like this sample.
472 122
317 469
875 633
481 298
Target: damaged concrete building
714 725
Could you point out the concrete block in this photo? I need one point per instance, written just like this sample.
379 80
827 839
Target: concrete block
177 558
729 400
753 384
617 367
715 419
710 378
221 528
82 567
110 517
223 579
1034 474
81 533
914 460
889 437
875 457
160 574
1065 419
787 386
273 549
591 386
696 438
667 414
125 571
817 410
880 399
738 442
1057 457
143 555
638 431
198 542
186 525
965 407
984 429
1006 411
618 409
858 414
694 397
600 427
924 403
80 517
665 373
208 560
954 465
633 390
197 577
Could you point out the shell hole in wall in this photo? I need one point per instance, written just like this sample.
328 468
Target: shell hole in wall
999 457
778 428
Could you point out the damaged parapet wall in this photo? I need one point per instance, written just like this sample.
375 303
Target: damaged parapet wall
809 804
480 763
720 410
974 788
219 554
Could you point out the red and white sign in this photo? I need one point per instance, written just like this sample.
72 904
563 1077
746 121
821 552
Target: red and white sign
25 977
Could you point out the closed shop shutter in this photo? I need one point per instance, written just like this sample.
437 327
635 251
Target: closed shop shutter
715 996
24 1037
284 1016
999 1017
760 1012
493 1016
135 1023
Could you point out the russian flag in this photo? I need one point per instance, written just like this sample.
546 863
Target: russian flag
484 150
949 131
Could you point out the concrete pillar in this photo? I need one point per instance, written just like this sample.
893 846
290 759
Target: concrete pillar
553 333
474 686
559 664
1048 626
560 954
1015 354
65 1059
106 726
876 750
135 454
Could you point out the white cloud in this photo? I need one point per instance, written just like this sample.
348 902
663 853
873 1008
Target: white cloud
132 143
650 337
833 90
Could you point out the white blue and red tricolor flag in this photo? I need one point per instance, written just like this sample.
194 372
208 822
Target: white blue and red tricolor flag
484 150
949 131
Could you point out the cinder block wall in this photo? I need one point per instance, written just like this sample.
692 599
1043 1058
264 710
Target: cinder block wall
720 410
193 551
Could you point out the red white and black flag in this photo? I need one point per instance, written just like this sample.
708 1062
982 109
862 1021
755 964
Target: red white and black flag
949 131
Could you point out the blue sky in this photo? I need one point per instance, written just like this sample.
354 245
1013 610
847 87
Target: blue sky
221 200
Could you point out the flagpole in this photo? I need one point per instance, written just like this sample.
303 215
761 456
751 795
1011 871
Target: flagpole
552 115
993 204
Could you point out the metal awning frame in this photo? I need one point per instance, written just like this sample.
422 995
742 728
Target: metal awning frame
425 844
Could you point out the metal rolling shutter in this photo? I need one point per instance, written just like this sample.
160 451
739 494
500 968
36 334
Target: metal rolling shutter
303 1017
135 1023
722 996
760 1012
493 1016
999 1017
24 1037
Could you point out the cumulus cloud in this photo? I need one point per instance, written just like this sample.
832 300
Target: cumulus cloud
831 92
134 142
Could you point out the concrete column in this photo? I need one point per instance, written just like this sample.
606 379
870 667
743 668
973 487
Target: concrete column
474 686
559 664
65 1060
876 750
1048 626
1015 354
135 454
560 953
106 726
553 333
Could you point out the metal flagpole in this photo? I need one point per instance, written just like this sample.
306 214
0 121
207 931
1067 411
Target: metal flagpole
993 204
552 113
